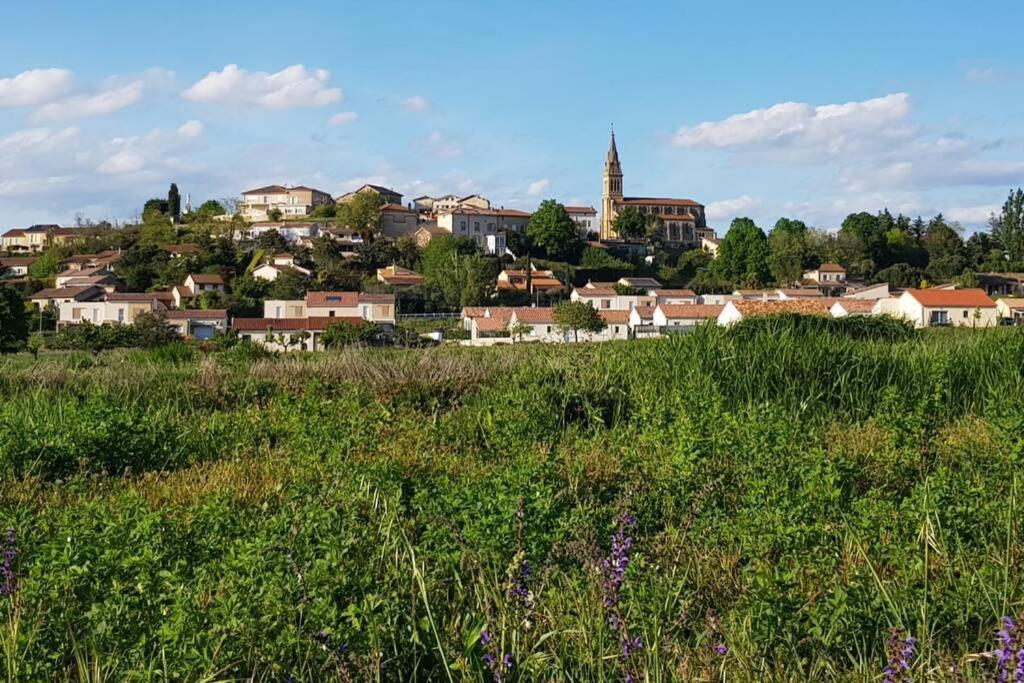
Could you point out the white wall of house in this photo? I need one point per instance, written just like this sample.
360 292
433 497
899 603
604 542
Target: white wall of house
921 316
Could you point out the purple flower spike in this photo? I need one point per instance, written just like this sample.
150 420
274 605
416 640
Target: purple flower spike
901 651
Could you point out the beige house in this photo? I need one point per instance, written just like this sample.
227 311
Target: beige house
55 296
120 308
292 202
36 238
481 224
710 243
378 308
15 266
947 308
1011 309
387 195
398 221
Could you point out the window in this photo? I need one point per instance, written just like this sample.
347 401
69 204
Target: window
120 315
965 313
476 226
330 313
939 318
385 310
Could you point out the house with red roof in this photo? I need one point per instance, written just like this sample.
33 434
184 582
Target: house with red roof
967 307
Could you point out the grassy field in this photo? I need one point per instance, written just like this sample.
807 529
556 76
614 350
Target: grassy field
762 504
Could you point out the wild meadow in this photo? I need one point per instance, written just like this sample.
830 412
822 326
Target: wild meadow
792 500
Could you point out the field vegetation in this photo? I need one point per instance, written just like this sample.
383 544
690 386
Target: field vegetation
759 504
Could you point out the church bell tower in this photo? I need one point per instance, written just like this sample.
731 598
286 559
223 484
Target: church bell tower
612 191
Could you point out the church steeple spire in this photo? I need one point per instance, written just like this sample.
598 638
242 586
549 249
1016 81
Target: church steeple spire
612 190
613 152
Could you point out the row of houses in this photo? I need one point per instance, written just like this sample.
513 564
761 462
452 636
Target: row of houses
657 311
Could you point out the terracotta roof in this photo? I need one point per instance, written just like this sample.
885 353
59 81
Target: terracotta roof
512 213
399 275
182 291
315 323
663 201
957 298
675 292
645 312
595 292
532 316
685 218
474 311
802 293
830 268
802 306
139 297
396 207
65 292
269 189
589 210
1013 303
197 314
856 305
615 317
690 311
182 248
12 261
491 324
14 232
206 278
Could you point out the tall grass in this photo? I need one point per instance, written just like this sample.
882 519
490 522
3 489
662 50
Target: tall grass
798 488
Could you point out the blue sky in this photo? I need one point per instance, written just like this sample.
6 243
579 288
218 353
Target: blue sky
804 109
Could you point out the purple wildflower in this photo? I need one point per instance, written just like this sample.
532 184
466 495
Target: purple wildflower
8 574
614 569
499 669
721 649
900 651
1011 652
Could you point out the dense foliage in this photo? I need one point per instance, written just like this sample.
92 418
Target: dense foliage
761 504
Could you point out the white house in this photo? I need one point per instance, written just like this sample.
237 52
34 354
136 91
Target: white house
378 308
197 323
846 307
119 307
684 315
476 224
874 292
288 334
15 266
278 264
585 218
948 307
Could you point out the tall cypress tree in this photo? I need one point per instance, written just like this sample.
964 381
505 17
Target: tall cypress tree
174 203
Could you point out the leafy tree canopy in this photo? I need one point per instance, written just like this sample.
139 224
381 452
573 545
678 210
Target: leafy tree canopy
553 230
629 224
578 316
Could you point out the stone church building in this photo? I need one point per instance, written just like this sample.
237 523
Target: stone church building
683 219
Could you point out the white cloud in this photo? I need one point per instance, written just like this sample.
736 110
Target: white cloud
294 86
343 118
125 161
415 103
441 147
980 75
731 208
537 187
104 102
191 129
824 131
34 141
972 215
30 88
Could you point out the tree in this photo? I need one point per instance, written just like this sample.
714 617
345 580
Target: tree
155 211
13 320
519 330
344 333
152 329
629 224
457 274
174 203
272 241
743 254
209 209
361 213
1008 227
577 316
274 214
787 250
553 230
290 284
36 344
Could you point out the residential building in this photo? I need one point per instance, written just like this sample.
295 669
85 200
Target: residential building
641 322
676 296
798 293
387 195
710 244
948 307
197 323
684 315
1011 309
873 292
292 202
35 238
829 278
180 250
683 219
1001 284
55 296
288 334
291 232
649 284
378 308
735 311
434 205
846 307
120 308
15 266
278 264
605 298
71 275
540 281
477 224
396 276
585 218
398 221
197 284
